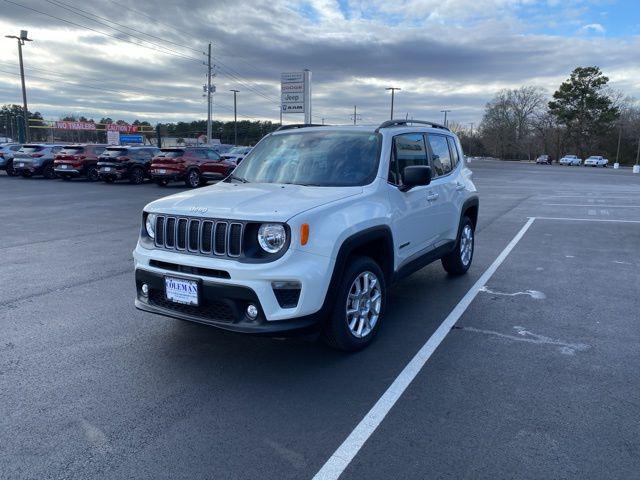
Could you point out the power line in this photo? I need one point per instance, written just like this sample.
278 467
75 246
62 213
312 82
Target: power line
161 50
74 9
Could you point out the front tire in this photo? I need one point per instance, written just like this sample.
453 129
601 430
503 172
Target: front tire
48 172
10 170
92 174
137 176
359 306
458 261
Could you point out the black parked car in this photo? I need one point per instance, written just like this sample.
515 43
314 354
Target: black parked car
116 163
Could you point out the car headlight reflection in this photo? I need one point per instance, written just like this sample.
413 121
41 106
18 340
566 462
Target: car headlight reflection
272 237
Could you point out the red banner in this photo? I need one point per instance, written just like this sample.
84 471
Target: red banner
70 125
114 127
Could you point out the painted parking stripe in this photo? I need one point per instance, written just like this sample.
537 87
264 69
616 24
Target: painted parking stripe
587 219
581 205
345 453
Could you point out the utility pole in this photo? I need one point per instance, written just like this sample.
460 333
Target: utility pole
21 39
235 118
445 116
354 115
393 92
209 132
619 139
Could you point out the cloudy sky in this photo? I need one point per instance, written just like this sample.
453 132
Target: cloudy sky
103 58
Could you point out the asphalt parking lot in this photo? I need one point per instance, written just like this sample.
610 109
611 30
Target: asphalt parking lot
538 378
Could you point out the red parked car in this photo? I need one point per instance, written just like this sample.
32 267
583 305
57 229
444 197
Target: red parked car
194 165
78 161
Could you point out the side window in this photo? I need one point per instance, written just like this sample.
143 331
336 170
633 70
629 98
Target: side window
454 152
408 149
441 155
212 155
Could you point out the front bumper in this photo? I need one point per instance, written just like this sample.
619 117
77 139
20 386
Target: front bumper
247 282
221 306
169 175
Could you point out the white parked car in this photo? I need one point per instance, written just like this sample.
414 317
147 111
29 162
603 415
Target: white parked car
570 160
596 161
310 231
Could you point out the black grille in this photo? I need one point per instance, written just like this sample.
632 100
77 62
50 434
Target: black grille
194 235
207 272
210 310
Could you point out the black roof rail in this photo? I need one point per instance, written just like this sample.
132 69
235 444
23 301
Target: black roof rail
298 125
393 123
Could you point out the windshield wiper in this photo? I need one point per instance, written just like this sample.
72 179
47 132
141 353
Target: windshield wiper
240 179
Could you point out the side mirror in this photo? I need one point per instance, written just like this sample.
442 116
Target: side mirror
414 176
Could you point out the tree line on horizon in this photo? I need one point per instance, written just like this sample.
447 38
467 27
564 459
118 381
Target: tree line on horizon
584 116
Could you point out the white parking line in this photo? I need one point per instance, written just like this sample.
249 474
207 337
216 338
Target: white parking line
591 205
587 219
345 453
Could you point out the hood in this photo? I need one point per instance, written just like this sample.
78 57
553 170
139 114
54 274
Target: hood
250 201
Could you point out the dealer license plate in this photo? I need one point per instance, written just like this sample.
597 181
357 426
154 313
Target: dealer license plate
161 170
21 164
182 291
63 166
107 169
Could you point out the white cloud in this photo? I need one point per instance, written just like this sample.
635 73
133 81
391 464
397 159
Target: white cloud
593 27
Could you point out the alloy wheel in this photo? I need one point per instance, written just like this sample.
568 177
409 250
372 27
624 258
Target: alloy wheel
466 245
363 304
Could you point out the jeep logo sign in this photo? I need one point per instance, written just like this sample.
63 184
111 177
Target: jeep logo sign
200 210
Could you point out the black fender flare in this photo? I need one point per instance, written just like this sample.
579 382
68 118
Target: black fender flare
380 233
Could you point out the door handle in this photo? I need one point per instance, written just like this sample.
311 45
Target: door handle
432 197
459 186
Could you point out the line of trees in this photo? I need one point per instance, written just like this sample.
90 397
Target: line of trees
249 132
584 117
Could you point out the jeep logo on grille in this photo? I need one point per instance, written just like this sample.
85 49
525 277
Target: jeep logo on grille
200 210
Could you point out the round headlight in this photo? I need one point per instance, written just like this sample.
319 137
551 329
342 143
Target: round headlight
150 225
272 237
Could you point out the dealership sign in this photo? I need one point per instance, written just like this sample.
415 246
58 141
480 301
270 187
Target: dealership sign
69 125
295 93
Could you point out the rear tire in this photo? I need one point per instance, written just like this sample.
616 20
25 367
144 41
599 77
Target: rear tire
360 301
193 179
458 261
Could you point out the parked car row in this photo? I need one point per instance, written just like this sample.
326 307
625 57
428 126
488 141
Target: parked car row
192 165
593 161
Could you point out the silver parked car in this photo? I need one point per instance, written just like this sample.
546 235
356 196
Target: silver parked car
36 159
7 152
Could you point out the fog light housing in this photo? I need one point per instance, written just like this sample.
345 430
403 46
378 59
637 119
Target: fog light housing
145 289
252 311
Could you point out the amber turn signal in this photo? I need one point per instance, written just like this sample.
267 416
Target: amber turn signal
304 233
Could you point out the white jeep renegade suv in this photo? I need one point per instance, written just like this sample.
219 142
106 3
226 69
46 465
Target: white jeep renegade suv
310 231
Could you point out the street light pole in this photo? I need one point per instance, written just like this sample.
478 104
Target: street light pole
445 116
21 39
209 125
393 92
235 118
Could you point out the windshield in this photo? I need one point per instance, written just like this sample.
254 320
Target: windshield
313 158
31 148
170 153
114 152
